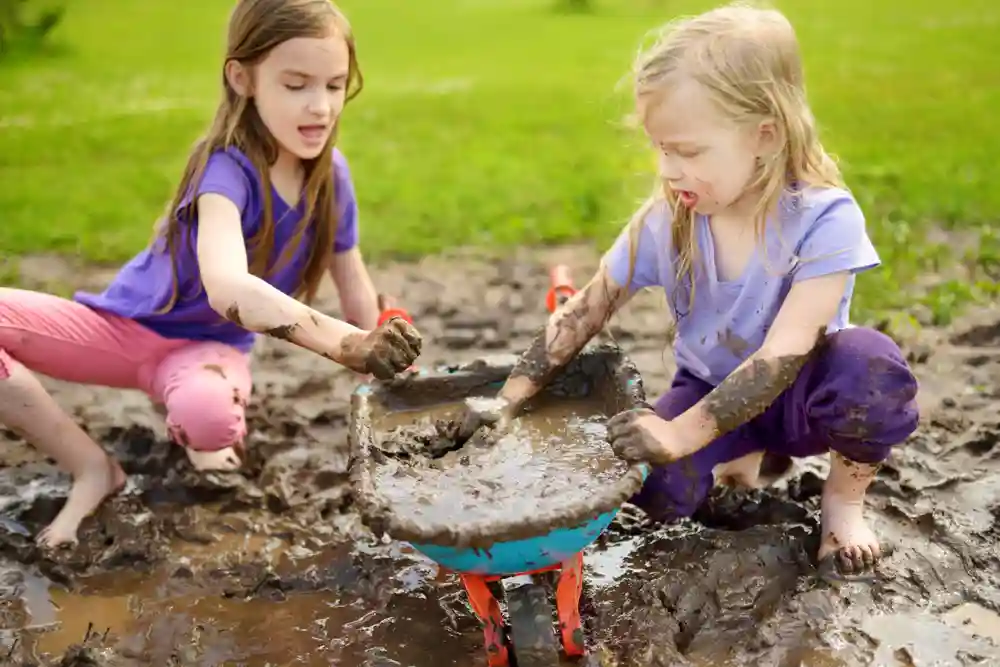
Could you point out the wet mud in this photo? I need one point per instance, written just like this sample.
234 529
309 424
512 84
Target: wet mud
551 467
273 566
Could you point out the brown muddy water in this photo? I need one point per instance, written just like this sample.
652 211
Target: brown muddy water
553 456
272 567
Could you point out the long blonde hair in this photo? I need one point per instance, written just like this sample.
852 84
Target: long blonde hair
748 59
256 27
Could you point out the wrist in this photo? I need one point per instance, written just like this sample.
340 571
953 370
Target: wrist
690 432
338 340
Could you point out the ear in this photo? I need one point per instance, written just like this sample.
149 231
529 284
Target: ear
768 138
239 79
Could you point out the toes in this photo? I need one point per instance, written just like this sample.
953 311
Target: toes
49 539
868 556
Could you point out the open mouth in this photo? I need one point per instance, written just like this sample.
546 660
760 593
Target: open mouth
313 133
687 198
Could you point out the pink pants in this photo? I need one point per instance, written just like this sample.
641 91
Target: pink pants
203 387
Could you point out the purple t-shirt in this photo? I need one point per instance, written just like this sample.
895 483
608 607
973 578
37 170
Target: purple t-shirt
143 286
818 233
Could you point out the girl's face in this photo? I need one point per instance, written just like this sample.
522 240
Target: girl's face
707 159
299 88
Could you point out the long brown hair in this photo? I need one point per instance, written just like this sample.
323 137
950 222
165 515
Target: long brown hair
256 27
748 59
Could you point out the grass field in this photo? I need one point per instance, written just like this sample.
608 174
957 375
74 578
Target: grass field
497 122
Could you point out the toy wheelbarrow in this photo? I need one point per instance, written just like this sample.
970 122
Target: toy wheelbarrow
510 567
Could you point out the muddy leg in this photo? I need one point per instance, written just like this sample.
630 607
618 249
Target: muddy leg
858 401
848 546
28 409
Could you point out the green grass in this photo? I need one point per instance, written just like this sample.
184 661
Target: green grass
495 122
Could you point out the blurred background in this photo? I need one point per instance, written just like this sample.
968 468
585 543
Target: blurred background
502 122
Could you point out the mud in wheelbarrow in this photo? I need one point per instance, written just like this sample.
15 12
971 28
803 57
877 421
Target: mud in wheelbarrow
510 515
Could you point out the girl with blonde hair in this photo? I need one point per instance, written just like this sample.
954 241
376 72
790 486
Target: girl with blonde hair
756 242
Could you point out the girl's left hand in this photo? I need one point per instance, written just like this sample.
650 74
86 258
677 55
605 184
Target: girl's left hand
641 435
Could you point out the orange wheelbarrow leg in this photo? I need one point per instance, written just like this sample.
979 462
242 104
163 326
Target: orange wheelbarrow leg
568 593
488 610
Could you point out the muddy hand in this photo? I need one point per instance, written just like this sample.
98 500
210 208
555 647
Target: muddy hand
389 349
481 412
639 436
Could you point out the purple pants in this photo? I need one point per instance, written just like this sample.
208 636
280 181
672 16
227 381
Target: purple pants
856 397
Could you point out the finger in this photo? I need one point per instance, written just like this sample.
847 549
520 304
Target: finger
379 366
846 561
470 422
410 334
396 350
868 557
398 359
629 448
619 431
620 419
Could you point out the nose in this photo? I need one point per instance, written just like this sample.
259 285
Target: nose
319 104
670 168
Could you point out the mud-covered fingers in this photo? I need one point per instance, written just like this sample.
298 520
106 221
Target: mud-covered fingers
624 423
400 343
630 447
409 334
388 355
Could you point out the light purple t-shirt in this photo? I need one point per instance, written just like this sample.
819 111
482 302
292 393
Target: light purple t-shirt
820 232
143 286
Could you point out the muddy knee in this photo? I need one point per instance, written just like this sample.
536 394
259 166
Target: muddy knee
865 399
206 414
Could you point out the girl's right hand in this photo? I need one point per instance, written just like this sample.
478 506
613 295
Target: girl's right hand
390 348
481 412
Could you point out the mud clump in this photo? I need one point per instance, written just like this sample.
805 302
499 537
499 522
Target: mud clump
429 439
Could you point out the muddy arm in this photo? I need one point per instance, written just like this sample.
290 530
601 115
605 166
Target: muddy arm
252 303
358 299
568 330
751 388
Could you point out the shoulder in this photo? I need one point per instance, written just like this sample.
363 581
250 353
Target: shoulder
820 205
229 172
831 234
234 161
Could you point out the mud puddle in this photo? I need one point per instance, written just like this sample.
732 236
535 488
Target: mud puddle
272 567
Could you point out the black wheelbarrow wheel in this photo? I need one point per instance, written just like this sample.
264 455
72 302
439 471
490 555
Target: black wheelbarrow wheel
532 636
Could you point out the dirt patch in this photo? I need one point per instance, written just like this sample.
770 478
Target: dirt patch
272 565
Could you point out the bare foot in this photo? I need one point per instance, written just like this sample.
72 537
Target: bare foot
226 459
848 547
89 490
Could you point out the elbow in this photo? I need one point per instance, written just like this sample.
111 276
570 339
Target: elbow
225 295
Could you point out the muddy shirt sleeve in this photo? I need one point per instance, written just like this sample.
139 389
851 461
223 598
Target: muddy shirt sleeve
835 240
347 205
646 264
